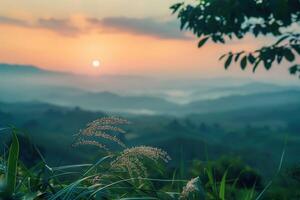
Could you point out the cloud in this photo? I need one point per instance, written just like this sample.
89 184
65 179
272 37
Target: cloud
61 26
136 26
12 21
144 26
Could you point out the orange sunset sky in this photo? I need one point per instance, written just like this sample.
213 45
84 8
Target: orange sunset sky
127 36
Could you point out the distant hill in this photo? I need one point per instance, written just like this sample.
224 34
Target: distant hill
138 95
242 89
235 102
111 102
249 88
24 69
26 84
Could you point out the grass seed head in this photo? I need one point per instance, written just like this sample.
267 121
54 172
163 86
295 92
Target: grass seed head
131 159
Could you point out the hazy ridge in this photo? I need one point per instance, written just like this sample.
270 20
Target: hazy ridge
106 93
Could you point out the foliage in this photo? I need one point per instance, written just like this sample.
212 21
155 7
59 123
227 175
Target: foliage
9 185
225 178
112 177
233 168
286 186
223 20
20 182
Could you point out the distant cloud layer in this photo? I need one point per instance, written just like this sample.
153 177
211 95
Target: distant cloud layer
144 26
60 26
12 21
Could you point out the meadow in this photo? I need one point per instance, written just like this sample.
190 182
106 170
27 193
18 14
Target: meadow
215 155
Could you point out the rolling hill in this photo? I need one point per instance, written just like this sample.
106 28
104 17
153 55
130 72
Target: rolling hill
137 95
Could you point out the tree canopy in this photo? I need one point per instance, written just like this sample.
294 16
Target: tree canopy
222 20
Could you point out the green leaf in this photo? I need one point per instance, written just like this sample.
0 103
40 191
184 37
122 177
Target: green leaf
267 65
296 47
288 54
223 187
202 42
279 59
30 196
11 173
223 56
228 61
238 56
294 69
251 58
175 7
256 65
210 176
244 62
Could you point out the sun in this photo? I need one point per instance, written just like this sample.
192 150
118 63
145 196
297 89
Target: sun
96 63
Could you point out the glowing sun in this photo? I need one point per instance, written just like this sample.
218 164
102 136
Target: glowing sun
95 63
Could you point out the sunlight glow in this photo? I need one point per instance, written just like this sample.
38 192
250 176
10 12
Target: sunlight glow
96 63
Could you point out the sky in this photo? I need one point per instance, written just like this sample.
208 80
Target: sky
135 37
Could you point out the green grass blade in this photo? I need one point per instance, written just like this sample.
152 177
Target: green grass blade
277 172
61 168
96 164
139 198
211 180
11 173
223 187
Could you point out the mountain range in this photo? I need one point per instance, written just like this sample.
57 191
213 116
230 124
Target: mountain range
138 95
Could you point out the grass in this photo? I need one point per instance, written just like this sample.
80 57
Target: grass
127 174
